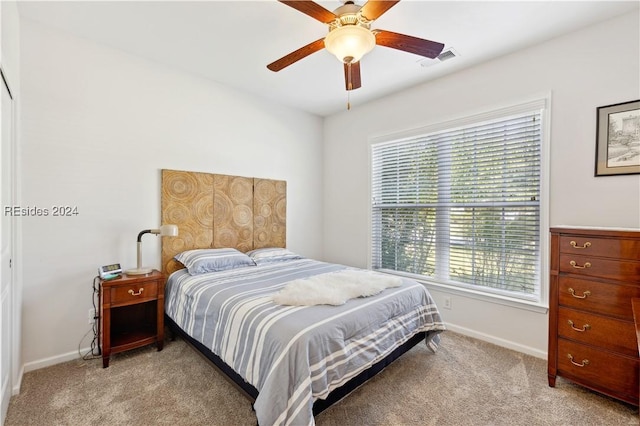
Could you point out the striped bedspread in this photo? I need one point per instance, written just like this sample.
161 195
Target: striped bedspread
294 355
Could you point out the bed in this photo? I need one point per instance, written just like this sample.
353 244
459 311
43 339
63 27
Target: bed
293 361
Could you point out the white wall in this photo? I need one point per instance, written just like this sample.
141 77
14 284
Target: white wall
98 126
593 67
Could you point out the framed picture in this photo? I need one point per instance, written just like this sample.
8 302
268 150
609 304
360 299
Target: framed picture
618 139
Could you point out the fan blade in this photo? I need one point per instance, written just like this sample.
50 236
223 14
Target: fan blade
373 9
352 75
406 43
312 9
292 57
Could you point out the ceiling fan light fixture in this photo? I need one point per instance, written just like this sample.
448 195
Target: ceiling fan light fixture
350 41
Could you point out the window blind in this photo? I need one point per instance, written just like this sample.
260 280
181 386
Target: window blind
462 205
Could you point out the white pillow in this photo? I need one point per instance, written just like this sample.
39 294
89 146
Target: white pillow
201 261
271 254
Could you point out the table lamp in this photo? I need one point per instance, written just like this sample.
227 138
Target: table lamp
164 231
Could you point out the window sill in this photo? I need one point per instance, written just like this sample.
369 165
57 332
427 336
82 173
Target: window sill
478 295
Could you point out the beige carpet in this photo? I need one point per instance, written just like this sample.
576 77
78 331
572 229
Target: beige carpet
467 382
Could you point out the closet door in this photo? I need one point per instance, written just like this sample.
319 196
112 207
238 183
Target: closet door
7 224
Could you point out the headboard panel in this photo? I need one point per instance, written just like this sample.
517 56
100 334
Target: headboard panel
214 211
232 212
269 213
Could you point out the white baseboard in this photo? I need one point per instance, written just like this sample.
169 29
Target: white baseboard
47 362
498 341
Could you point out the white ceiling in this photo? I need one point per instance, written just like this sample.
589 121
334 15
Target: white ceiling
231 42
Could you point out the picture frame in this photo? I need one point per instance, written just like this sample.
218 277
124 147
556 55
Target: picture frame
618 139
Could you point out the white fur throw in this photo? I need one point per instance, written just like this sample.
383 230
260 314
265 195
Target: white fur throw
334 288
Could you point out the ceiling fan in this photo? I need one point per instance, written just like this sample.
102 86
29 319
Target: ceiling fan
351 37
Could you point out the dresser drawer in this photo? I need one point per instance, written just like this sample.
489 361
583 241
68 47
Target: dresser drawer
134 293
624 270
601 370
601 247
595 330
594 296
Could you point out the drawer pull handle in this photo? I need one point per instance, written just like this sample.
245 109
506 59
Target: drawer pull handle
584 246
584 327
584 295
575 265
584 362
131 292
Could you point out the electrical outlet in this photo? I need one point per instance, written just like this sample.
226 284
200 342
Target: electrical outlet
92 315
447 302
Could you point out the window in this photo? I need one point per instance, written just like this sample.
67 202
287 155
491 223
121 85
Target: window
461 205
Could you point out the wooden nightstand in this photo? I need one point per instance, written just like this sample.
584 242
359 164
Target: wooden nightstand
131 313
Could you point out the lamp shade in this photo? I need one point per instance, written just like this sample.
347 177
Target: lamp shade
350 41
168 231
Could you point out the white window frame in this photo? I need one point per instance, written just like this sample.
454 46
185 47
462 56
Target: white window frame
540 102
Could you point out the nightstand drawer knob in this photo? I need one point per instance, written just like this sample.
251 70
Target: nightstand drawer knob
584 362
131 292
584 246
584 327
584 295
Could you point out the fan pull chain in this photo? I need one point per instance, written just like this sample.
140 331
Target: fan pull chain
349 82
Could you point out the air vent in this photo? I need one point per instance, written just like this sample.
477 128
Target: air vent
450 53
447 54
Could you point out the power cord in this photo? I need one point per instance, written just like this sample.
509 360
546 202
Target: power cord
95 342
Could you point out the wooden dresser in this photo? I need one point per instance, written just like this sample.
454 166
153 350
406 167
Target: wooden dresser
592 337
